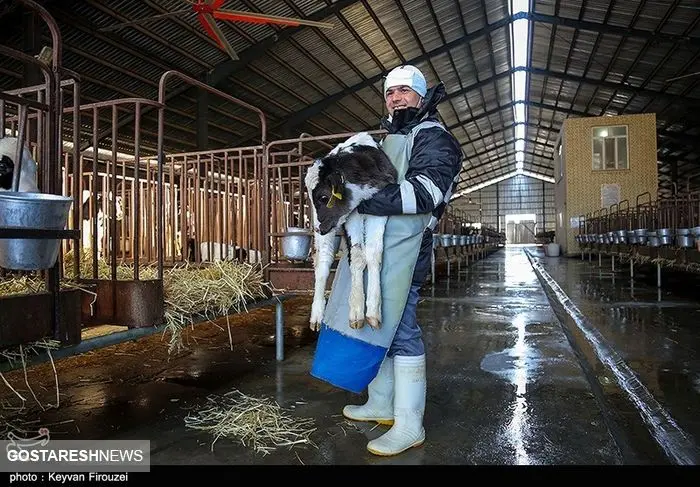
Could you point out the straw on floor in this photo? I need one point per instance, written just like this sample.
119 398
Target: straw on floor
258 423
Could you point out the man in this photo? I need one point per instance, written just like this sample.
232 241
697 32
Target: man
434 160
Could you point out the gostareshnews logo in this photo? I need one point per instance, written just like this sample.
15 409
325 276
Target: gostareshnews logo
41 454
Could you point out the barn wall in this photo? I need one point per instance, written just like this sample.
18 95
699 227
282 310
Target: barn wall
517 195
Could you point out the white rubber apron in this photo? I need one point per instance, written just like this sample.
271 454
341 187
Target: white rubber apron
350 358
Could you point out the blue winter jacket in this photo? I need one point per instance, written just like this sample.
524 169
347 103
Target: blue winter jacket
433 171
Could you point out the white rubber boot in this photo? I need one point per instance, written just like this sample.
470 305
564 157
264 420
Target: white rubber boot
409 406
380 402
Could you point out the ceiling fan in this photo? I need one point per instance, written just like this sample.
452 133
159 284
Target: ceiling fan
208 11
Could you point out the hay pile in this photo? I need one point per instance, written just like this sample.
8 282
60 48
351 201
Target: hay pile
104 268
208 292
24 284
258 423
191 293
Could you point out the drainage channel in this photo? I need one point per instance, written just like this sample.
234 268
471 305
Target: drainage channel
676 444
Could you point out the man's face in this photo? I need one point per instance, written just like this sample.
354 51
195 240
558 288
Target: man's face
401 97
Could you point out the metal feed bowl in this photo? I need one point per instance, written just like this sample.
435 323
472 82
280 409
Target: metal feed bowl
296 244
32 210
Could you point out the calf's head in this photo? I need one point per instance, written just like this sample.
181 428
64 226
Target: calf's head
329 195
353 171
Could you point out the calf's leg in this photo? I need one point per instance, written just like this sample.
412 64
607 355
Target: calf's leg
355 227
323 259
374 246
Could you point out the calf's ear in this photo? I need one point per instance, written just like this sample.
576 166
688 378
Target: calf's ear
336 179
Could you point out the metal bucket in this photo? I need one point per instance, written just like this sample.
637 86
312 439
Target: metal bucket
653 240
446 240
685 241
455 240
297 244
666 239
32 210
622 236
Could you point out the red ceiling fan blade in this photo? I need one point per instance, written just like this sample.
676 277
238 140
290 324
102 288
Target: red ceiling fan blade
240 16
209 25
207 28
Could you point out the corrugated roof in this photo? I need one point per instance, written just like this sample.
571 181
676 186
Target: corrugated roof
587 57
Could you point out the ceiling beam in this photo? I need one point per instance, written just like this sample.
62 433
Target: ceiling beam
216 75
504 145
510 156
613 86
314 109
226 68
614 29
296 118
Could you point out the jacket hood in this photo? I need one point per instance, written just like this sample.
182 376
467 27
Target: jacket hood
404 120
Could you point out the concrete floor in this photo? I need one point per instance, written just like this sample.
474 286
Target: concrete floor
508 382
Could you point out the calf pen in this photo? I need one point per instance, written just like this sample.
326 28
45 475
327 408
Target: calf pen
125 258
146 221
664 233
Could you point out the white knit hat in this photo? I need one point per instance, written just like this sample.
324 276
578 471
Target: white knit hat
406 75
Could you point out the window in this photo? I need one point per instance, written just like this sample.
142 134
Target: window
610 148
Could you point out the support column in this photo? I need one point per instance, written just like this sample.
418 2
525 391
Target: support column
498 210
279 331
202 120
544 199
31 44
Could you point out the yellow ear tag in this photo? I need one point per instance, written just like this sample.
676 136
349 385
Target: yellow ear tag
334 194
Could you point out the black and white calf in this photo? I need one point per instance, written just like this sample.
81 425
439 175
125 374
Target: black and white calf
352 172
28 171
102 221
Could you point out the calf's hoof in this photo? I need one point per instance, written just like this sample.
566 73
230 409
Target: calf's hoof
374 322
357 324
314 326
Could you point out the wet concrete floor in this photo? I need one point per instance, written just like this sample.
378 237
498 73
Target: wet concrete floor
505 386
649 337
